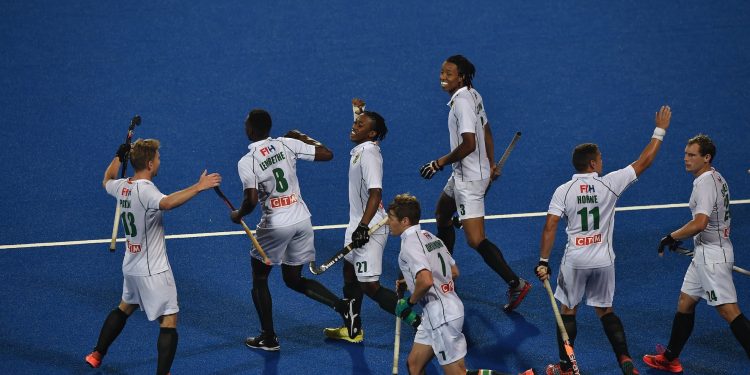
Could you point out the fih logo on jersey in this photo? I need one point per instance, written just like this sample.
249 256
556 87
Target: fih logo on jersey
133 247
267 150
448 287
125 192
587 189
427 234
283 201
588 240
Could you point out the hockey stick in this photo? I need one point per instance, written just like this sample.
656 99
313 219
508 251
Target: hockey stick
498 172
133 123
244 226
317 270
566 340
690 253
397 337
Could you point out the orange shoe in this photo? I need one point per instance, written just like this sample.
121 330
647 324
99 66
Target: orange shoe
528 372
660 362
94 359
516 295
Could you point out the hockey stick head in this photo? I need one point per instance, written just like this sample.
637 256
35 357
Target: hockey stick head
315 269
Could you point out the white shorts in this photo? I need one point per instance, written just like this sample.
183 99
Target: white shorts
597 283
469 196
368 260
292 245
712 282
447 341
155 294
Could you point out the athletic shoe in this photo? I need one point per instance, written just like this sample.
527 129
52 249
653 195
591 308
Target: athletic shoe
94 359
527 372
660 362
627 366
517 294
263 342
555 369
342 333
352 321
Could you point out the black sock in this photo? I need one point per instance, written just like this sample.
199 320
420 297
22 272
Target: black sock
448 236
741 328
166 346
353 290
682 327
494 258
569 321
111 328
616 334
386 299
315 290
263 305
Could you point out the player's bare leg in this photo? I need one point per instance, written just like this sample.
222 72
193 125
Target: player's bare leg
616 334
418 358
111 328
455 368
167 343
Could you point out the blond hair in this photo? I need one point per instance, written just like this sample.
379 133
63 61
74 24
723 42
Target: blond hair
143 151
406 205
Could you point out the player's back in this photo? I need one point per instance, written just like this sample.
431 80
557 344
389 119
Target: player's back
145 247
270 166
588 203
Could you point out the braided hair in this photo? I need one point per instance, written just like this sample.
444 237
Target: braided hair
465 68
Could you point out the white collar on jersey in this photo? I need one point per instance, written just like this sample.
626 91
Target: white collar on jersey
250 146
450 102
361 146
410 230
592 174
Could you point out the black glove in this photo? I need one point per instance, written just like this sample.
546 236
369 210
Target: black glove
542 266
428 170
122 152
670 242
360 236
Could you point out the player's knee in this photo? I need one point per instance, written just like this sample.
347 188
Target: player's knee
370 288
294 282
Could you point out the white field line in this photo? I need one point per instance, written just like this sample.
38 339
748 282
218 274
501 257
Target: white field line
335 226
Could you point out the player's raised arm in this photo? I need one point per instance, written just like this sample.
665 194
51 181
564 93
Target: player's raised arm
649 153
177 199
322 153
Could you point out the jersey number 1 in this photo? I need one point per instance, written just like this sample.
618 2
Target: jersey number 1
584 212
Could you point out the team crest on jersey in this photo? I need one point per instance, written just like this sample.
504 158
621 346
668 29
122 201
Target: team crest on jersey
427 234
356 158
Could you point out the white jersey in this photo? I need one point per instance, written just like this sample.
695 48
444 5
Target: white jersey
145 247
420 250
467 115
588 201
271 167
365 173
710 197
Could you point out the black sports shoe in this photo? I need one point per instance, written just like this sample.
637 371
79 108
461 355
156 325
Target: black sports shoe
352 322
263 342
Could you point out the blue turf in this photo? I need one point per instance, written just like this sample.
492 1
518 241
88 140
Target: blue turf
74 74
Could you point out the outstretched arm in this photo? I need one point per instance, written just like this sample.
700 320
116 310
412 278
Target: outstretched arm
177 199
322 153
649 153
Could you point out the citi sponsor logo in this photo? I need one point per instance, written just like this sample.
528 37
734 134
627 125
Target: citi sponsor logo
133 247
588 240
283 201
587 188
448 287
267 150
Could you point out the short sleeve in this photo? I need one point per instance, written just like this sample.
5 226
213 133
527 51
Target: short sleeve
247 175
705 197
464 110
557 203
301 149
113 187
416 259
149 196
620 179
372 168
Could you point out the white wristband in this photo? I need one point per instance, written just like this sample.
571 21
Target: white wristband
356 111
544 260
659 134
